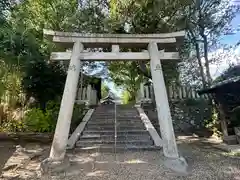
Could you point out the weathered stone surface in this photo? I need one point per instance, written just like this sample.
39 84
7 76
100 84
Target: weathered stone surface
50 166
231 140
162 105
23 158
237 132
61 134
10 176
205 163
178 165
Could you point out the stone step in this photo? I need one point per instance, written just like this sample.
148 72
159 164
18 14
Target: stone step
109 123
119 126
99 134
121 132
113 111
117 113
113 117
138 125
118 148
86 142
112 129
89 128
112 137
113 120
100 123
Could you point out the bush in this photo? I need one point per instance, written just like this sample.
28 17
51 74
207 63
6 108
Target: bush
53 108
36 120
12 126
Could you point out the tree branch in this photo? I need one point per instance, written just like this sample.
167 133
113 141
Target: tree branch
141 69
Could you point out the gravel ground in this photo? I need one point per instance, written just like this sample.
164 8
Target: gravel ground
205 162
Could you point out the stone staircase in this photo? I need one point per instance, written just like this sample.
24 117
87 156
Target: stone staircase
99 133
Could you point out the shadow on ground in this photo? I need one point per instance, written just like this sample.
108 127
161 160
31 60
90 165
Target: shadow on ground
205 162
6 151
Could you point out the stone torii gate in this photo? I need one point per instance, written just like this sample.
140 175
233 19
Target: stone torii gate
81 43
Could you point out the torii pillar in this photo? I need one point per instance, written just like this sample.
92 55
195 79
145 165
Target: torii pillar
170 150
164 116
59 143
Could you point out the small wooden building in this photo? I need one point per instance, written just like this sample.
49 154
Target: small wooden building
226 95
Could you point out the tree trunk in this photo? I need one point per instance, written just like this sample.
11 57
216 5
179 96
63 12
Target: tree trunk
200 65
205 44
143 69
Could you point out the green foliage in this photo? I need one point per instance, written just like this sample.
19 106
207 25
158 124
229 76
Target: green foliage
22 43
44 81
192 116
18 46
11 91
205 23
125 75
149 16
192 102
12 125
36 120
213 123
53 108
127 97
104 90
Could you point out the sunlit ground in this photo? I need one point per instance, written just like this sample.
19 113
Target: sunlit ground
205 162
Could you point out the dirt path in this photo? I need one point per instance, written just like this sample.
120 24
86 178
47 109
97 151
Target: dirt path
205 162
6 151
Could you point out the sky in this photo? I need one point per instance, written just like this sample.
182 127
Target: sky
233 39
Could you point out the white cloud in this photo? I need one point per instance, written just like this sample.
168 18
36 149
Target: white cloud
223 58
237 51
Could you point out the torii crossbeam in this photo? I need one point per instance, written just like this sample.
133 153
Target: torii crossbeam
150 45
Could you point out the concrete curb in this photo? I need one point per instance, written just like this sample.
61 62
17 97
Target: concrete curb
75 135
150 128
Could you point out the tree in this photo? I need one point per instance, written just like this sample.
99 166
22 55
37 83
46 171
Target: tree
124 75
126 97
149 16
44 81
205 22
23 43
